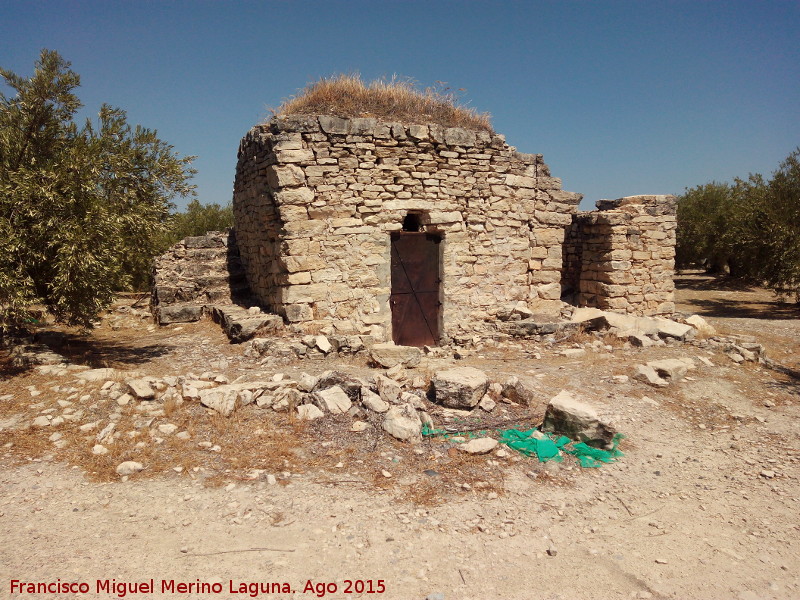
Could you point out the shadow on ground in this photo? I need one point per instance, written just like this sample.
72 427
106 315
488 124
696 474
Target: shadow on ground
710 283
104 353
741 300
737 310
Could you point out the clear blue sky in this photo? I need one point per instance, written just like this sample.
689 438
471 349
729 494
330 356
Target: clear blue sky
621 97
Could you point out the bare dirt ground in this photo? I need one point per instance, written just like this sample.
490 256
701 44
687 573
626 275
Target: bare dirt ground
704 504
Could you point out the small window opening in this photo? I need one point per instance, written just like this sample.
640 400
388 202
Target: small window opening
412 223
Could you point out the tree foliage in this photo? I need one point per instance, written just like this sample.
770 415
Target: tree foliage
199 219
750 229
82 208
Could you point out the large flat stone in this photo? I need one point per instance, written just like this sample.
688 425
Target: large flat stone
673 329
389 355
240 324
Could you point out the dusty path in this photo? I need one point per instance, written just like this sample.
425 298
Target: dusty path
704 504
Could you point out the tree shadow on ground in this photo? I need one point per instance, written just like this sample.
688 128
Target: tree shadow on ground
104 353
737 310
788 381
7 367
711 283
91 352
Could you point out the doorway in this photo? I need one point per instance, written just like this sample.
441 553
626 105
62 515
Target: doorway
416 288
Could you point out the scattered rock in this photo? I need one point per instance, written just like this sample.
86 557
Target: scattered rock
141 389
306 382
124 399
702 326
309 412
105 432
97 374
42 421
517 391
573 352
736 357
566 415
672 369
129 467
479 446
388 389
638 340
333 399
403 422
323 344
350 384
487 403
462 387
99 449
221 399
389 355
672 329
373 401
648 375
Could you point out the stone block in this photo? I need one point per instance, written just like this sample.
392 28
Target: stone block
389 355
285 176
335 125
568 416
456 136
462 387
179 313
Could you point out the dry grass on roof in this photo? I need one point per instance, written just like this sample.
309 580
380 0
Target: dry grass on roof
389 100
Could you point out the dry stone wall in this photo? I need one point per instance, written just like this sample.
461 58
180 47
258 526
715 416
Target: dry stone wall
622 257
316 199
196 273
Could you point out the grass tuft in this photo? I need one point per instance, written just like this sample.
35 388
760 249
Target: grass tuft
387 99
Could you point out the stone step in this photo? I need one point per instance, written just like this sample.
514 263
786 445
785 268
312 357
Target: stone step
179 313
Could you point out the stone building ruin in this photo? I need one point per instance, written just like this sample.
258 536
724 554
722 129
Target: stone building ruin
419 234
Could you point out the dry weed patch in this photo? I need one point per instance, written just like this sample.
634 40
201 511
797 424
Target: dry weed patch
393 100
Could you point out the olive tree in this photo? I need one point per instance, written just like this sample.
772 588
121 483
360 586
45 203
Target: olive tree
82 207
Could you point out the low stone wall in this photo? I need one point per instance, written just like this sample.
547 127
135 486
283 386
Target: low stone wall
622 256
195 273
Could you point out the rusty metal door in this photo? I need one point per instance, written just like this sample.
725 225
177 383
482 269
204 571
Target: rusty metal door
415 288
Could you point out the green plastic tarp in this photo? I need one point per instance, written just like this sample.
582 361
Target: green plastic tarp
546 447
